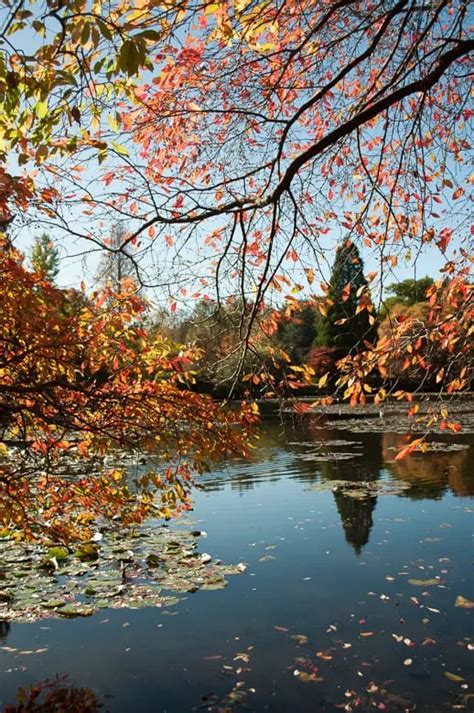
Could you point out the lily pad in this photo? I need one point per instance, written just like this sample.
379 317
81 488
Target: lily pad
87 551
58 553
53 604
116 575
71 611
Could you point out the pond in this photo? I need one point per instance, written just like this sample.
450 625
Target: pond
356 593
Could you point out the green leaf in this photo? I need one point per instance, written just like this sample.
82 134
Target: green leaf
128 59
86 31
104 29
41 109
150 35
122 150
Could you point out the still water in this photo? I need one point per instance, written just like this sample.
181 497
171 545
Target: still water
347 602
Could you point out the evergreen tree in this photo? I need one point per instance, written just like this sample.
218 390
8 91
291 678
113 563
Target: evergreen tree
44 257
347 279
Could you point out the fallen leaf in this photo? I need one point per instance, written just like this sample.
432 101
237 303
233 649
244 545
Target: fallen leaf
307 677
463 603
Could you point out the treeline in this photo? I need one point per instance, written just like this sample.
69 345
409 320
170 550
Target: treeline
319 332
265 353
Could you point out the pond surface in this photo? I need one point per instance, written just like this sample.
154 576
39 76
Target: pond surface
347 602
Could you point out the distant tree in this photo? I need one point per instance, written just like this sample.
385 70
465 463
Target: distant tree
116 265
44 258
407 292
296 334
348 321
322 360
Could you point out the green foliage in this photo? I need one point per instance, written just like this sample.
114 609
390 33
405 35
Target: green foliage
407 292
347 323
44 257
296 335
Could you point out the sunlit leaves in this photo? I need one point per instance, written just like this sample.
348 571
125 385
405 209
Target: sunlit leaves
80 375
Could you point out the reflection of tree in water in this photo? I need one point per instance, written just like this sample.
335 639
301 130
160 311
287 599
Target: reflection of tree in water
431 473
356 513
4 630
53 696
356 517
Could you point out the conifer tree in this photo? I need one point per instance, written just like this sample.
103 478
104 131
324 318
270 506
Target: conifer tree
44 257
344 327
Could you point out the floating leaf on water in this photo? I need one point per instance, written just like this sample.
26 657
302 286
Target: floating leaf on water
307 677
153 560
53 603
211 586
58 553
463 603
325 655
87 551
71 611
117 576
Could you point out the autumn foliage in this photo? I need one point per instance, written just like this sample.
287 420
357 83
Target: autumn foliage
89 380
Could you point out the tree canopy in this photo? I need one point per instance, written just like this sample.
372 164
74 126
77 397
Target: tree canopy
408 292
89 380
349 322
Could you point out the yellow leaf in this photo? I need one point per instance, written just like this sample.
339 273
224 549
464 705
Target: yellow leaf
323 380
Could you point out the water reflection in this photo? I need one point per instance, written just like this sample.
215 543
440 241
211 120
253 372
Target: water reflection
356 518
432 474
311 451
54 695
240 646
4 630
